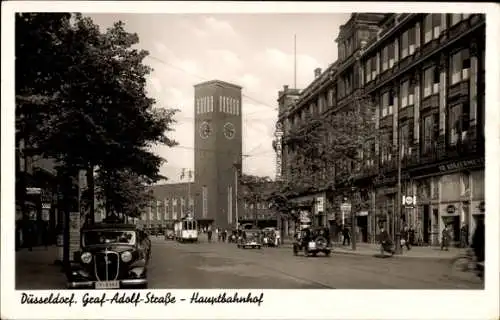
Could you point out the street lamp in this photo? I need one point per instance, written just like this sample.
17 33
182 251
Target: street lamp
397 213
237 168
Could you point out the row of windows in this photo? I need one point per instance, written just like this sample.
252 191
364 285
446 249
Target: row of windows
408 42
226 105
458 71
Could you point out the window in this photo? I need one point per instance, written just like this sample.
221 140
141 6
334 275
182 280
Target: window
385 147
387 103
369 153
392 51
459 66
385 58
368 70
428 134
330 98
431 81
374 67
432 26
404 93
404 44
456 18
454 115
405 140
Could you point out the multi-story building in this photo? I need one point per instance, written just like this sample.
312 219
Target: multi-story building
424 73
170 202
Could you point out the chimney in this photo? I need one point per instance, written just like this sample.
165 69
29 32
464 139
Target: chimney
285 88
317 72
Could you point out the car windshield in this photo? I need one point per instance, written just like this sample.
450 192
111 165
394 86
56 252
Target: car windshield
251 234
94 237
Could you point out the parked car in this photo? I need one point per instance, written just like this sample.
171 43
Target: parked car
312 241
111 256
250 239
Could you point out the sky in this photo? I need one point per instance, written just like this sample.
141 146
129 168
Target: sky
255 51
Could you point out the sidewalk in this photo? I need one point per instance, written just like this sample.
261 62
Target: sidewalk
370 249
35 270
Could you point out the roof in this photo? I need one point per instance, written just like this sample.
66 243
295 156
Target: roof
218 82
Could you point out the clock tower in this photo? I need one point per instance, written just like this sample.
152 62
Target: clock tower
218 145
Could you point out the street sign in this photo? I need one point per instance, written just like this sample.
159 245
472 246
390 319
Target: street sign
320 204
31 191
409 201
345 207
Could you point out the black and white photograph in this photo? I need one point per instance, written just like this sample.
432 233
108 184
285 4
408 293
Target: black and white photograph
250 151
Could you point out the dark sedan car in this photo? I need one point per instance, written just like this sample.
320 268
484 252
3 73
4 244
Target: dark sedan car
312 241
111 256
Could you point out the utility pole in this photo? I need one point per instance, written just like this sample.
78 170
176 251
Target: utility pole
353 221
237 167
398 199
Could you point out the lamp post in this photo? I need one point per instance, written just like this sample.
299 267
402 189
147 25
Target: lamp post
353 220
237 167
397 210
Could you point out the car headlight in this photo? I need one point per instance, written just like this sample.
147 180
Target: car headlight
126 256
86 257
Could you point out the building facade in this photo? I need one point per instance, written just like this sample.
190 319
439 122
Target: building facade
170 202
424 73
218 150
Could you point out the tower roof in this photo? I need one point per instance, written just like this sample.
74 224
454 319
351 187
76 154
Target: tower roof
218 83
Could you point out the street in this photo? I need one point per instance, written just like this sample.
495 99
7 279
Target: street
222 265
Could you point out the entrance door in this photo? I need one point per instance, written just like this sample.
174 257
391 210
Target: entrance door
426 223
363 228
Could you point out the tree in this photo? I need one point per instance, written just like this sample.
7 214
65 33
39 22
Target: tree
254 191
123 192
99 103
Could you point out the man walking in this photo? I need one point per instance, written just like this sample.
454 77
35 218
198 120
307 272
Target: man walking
209 233
464 236
347 236
405 238
445 238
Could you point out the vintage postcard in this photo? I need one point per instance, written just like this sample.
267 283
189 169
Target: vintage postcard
166 160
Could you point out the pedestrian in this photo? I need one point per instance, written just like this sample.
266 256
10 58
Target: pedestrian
445 238
224 235
464 236
385 241
209 234
411 235
218 233
405 238
347 236
478 240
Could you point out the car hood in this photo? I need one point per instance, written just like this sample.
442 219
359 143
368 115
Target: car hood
114 247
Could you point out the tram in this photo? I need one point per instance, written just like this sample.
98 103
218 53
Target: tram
186 229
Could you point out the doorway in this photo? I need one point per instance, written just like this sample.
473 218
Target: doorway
362 225
426 223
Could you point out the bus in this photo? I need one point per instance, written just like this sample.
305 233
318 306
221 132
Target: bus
186 230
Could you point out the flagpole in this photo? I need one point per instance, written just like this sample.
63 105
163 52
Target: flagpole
295 61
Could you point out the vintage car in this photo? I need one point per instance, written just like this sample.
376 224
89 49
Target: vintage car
269 237
111 256
250 239
169 234
312 241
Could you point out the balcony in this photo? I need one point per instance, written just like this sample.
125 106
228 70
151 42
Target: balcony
428 156
406 113
458 90
386 122
430 102
429 47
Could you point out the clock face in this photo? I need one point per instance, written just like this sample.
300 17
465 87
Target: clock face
229 130
205 130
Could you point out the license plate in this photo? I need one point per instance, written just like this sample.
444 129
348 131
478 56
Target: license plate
312 245
107 285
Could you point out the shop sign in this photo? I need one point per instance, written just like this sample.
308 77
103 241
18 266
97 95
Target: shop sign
409 201
451 209
458 165
345 207
304 217
362 213
45 215
320 204
31 191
